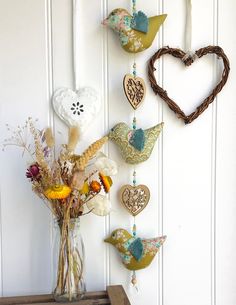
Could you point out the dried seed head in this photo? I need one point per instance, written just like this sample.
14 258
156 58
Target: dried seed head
73 138
49 137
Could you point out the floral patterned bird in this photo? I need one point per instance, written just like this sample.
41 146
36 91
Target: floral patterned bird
136 32
135 145
136 253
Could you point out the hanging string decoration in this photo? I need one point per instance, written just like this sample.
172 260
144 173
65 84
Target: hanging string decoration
78 106
188 58
136 34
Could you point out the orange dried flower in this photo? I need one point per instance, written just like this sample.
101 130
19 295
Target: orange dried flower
95 186
106 182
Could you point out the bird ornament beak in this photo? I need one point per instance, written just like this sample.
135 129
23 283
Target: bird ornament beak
108 240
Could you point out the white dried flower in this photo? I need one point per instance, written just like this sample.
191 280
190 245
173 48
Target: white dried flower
100 205
106 166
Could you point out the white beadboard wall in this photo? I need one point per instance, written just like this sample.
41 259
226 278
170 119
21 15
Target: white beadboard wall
191 173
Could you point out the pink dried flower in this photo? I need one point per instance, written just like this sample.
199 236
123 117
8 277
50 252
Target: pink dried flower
33 172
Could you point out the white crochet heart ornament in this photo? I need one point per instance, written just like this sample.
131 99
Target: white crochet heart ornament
76 108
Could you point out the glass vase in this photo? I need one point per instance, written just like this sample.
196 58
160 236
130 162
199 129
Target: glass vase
69 262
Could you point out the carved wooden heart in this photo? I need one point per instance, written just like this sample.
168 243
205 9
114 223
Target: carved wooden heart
135 90
134 198
188 60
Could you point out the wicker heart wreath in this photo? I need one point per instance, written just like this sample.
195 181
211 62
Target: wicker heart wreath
188 60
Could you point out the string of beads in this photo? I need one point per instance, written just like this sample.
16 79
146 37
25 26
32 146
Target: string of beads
134 6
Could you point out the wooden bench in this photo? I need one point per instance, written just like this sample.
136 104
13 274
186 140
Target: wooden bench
114 295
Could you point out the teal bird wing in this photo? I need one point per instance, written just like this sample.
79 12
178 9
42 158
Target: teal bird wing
136 248
140 137
137 139
140 22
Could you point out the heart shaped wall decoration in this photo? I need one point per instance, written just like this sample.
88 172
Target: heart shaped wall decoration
188 60
135 90
134 198
77 108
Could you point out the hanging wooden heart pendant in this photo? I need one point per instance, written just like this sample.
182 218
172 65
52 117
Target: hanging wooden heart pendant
188 60
134 198
135 90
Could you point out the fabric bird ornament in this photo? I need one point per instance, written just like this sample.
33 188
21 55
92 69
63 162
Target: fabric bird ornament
137 32
136 253
135 145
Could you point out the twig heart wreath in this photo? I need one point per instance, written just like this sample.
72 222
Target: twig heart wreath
188 60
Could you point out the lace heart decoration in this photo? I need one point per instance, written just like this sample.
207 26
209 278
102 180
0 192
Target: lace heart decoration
76 108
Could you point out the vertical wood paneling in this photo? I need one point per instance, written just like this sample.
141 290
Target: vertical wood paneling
105 98
61 35
118 64
213 162
62 55
89 60
50 89
226 165
160 215
147 115
149 173
26 255
62 49
190 173
91 67
187 164
49 59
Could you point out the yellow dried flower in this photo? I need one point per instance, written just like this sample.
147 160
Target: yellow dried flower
73 138
58 191
85 189
49 137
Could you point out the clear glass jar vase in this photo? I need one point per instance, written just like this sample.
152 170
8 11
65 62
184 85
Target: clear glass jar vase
69 262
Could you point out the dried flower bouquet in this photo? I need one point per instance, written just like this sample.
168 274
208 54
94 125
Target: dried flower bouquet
70 185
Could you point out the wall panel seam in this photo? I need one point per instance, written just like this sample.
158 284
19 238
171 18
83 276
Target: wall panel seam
105 96
49 59
49 75
160 300
214 156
